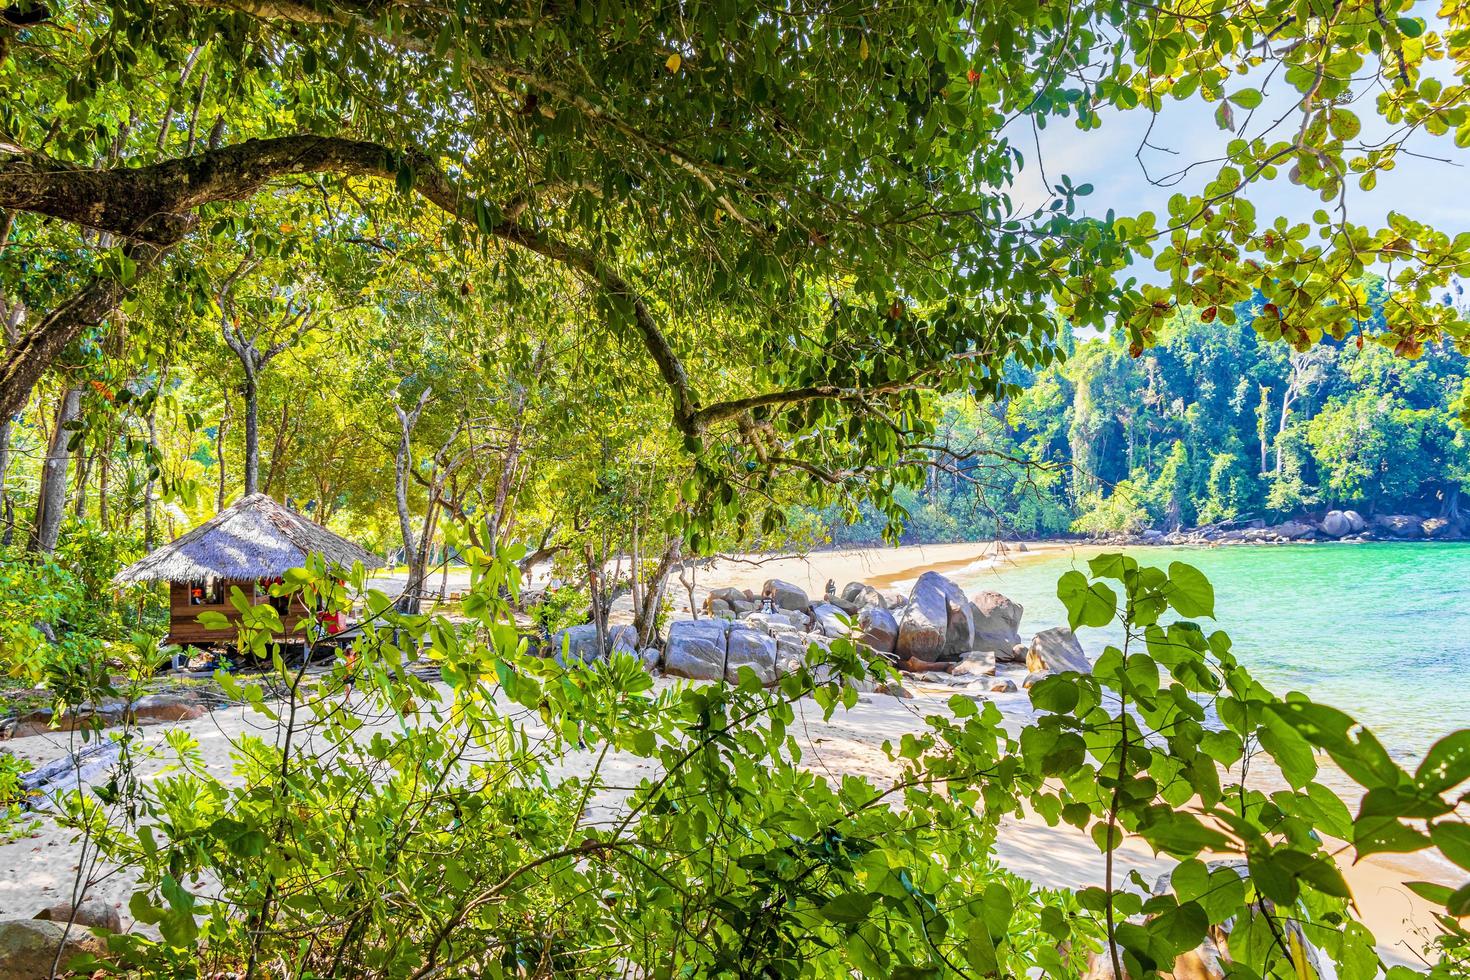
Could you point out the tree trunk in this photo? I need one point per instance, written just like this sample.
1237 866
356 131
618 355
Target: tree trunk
219 457
252 433
51 500
408 603
645 614
148 528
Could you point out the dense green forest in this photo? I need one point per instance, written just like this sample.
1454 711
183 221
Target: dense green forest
1212 424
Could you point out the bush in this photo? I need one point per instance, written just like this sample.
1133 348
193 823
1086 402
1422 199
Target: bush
445 829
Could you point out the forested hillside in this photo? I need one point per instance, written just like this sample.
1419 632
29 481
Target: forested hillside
1213 424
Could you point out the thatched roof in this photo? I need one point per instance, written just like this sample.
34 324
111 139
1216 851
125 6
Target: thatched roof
254 538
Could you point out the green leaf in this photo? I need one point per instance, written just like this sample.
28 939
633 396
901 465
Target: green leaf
850 908
1088 604
1190 593
1453 841
1446 764
1409 26
1247 98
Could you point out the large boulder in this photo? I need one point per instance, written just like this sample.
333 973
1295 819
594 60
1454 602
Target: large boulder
1057 650
1440 529
997 622
770 622
831 620
794 650
862 595
622 639
784 595
1336 524
1355 521
753 649
1292 530
728 595
937 623
1400 525
878 630
976 663
93 913
28 947
575 644
696 648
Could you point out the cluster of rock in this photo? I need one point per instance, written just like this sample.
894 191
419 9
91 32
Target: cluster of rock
150 709
936 631
1335 525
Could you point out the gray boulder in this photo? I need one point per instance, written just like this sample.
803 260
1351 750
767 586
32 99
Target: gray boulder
28 947
831 620
753 649
1292 530
770 622
794 650
784 595
1400 525
1003 685
1056 650
575 644
728 595
976 663
1336 524
650 658
862 595
937 622
697 648
878 630
1355 521
895 600
996 621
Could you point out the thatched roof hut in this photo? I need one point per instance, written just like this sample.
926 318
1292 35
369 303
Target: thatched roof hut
253 539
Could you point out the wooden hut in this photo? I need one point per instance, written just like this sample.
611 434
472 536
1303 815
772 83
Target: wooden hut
250 544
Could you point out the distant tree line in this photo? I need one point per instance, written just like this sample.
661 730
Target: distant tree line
1214 424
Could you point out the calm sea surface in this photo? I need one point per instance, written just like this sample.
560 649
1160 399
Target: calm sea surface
1379 630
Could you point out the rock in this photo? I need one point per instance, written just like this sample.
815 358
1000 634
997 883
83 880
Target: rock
878 630
1017 654
622 639
768 622
938 622
650 658
28 947
575 644
93 913
696 648
1291 530
862 595
1035 677
742 606
718 607
831 620
1400 525
1440 529
1336 524
784 595
753 649
896 600
1355 521
156 709
794 650
976 663
894 690
1151 535
996 622
728 595
1057 650
1003 685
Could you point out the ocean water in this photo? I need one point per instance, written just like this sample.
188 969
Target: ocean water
1380 630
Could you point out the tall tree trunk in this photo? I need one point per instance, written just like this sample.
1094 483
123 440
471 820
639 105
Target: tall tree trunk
148 524
407 419
51 500
645 614
84 468
252 433
219 457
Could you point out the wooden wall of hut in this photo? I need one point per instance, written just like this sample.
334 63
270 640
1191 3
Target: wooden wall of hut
185 629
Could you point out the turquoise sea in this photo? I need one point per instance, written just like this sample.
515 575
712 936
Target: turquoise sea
1380 630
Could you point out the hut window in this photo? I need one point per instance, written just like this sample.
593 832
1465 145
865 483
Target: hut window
207 593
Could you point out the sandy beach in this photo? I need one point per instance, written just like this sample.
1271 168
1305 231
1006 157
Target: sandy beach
39 869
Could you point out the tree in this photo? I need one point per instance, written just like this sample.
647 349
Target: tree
707 165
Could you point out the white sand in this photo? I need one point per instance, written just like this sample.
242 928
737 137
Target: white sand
38 870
